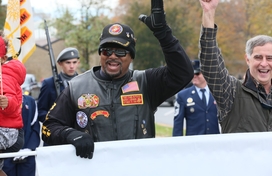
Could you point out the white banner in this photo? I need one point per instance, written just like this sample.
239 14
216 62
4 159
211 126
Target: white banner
224 154
19 29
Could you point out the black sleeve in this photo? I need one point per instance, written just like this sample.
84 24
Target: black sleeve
164 82
60 118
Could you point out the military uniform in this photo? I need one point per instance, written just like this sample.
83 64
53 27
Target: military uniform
200 114
200 119
48 93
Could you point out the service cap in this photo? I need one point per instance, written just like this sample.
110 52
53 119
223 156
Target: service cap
196 66
68 53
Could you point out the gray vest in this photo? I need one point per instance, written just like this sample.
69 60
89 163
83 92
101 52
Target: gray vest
113 110
247 114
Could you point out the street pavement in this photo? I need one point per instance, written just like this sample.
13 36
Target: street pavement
165 115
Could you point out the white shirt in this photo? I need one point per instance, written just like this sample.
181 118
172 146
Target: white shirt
207 93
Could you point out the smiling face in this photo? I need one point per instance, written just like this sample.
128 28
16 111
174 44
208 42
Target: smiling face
115 66
260 64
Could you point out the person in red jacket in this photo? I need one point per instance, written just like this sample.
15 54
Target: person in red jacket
11 122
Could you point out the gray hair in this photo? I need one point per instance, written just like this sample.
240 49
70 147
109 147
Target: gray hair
259 40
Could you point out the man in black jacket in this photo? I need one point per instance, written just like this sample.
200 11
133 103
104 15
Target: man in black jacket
111 102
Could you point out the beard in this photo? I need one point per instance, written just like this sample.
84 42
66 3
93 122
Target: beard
112 75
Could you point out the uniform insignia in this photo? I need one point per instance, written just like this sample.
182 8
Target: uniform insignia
189 100
98 113
133 99
192 109
72 53
176 109
131 86
191 104
26 106
193 92
88 101
81 119
115 29
214 102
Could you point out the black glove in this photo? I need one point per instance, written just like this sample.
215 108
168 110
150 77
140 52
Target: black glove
156 21
83 143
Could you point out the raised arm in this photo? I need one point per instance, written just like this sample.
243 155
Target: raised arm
208 14
178 71
221 84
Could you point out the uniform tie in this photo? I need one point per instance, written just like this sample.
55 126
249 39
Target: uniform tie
203 96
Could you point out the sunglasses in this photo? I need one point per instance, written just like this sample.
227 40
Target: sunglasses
263 102
197 73
117 52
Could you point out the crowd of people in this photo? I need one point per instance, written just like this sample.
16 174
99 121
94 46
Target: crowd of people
90 107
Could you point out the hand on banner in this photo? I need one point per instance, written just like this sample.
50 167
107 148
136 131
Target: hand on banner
21 159
83 143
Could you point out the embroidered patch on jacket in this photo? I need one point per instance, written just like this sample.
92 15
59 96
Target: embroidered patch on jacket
81 119
133 99
46 131
97 113
88 101
131 86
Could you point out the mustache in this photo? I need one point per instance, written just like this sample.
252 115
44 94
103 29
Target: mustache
113 61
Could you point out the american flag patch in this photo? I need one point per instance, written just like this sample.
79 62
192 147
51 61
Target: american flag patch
131 86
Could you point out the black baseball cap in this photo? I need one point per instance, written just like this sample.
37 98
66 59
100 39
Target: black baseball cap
119 35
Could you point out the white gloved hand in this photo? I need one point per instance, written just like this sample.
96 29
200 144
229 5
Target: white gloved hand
18 158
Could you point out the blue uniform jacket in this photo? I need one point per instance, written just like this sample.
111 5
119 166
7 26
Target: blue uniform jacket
200 119
31 140
47 96
31 123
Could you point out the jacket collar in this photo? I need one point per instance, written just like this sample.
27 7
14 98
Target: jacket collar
252 84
